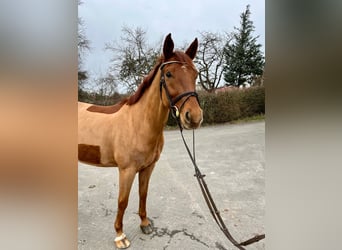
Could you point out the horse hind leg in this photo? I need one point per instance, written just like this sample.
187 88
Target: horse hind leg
126 177
144 177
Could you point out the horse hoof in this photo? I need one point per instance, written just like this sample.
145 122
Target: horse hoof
121 242
146 229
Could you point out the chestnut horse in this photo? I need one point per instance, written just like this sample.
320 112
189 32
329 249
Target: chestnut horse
129 135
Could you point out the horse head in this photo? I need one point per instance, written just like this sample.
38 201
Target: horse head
178 79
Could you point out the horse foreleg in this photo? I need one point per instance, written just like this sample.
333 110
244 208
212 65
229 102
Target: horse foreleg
144 177
126 177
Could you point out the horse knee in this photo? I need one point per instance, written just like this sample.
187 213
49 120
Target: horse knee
122 204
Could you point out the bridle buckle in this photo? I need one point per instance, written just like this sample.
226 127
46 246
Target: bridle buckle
175 111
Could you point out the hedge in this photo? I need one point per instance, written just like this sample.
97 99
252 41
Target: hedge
230 105
218 107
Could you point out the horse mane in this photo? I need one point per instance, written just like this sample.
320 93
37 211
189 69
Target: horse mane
147 81
144 85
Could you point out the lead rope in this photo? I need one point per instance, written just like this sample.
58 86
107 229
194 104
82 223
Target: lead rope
203 185
208 198
193 145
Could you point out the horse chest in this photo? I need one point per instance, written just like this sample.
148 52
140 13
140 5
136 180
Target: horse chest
138 152
149 155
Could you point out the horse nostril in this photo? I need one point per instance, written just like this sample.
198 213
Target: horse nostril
187 116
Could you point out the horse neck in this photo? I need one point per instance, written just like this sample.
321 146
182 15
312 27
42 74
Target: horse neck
153 112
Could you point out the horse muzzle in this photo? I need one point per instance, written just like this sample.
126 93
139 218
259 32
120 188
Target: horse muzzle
191 118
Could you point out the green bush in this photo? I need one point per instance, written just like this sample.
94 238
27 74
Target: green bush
253 102
230 105
218 107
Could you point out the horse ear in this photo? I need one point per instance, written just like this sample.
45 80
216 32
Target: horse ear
192 50
168 47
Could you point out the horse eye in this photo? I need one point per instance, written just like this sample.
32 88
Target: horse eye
168 74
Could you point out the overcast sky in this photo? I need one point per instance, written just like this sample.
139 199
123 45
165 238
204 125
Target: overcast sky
104 19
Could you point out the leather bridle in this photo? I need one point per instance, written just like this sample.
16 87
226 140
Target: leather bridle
175 111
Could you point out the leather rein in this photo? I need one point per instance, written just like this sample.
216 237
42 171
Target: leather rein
175 112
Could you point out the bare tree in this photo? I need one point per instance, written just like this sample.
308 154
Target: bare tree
132 58
210 58
83 45
107 88
106 84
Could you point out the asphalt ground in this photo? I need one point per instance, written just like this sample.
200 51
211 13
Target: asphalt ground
232 158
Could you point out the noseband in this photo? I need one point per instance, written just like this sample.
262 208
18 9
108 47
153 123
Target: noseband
175 111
